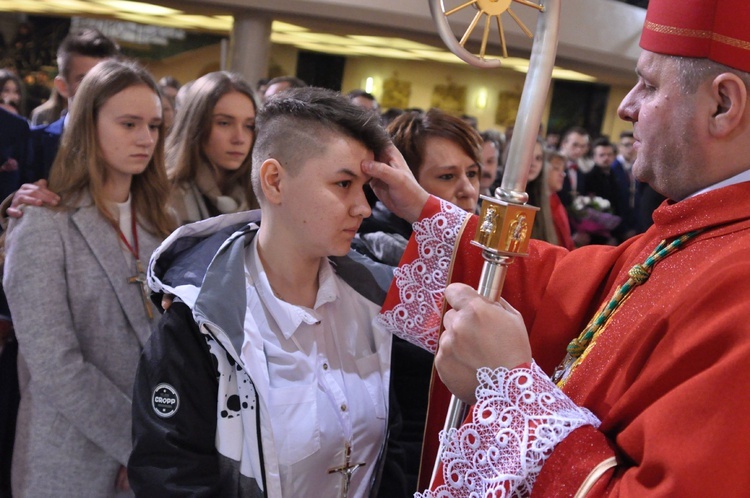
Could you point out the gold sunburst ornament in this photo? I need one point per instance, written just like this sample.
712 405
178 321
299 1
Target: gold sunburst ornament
492 9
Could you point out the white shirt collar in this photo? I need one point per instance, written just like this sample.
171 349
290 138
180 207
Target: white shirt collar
625 163
289 316
742 177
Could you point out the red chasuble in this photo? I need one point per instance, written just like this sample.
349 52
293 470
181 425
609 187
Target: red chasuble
667 376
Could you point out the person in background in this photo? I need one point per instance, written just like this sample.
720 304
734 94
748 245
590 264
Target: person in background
388 116
622 170
50 111
552 140
11 93
168 110
80 51
13 139
599 228
573 146
261 85
169 86
179 99
444 153
600 181
281 83
209 153
637 199
445 156
78 301
555 174
364 99
492 150
538 190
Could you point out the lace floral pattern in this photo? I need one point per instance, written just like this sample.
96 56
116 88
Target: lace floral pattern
422 282
519 418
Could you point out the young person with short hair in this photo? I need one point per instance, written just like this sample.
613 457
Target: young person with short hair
267 376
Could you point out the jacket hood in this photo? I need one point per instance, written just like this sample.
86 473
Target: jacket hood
179 265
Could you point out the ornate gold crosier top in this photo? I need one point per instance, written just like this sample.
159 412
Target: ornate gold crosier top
493 9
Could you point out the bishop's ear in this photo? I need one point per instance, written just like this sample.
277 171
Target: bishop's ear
271 175
730 96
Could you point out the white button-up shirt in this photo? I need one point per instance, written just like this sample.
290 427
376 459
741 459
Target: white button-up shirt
328 383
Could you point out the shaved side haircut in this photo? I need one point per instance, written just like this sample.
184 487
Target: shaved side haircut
298 125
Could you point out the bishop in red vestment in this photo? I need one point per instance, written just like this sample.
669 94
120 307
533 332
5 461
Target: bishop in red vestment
654 402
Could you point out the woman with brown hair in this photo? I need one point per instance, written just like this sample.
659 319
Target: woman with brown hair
539 196
444 153
208 150
75 284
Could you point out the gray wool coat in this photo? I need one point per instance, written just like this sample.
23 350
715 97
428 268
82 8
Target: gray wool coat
80 328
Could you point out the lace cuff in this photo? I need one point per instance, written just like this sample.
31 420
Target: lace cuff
421 283
519 418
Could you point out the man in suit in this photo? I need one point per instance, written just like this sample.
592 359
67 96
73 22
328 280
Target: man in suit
77 54
600 181
626 184
637 200
574 145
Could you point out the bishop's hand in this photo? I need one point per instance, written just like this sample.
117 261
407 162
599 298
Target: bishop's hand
395 185
478 333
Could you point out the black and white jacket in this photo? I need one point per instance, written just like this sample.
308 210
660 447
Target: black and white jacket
200 423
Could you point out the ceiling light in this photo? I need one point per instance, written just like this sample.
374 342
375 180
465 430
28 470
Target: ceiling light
140 8
286 27
393 42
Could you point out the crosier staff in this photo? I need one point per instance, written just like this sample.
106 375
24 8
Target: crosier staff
504 228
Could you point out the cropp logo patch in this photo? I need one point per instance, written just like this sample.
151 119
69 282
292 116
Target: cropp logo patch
165 400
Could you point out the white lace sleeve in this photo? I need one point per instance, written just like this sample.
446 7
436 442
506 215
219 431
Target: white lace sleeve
422 282
519 418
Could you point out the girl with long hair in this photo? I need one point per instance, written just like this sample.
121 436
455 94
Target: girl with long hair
11 92
539 194
209 148
75 284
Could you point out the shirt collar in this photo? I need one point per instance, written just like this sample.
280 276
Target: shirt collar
742 177
288 316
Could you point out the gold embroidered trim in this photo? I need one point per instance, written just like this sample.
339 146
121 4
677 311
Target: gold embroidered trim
697 33
594 476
